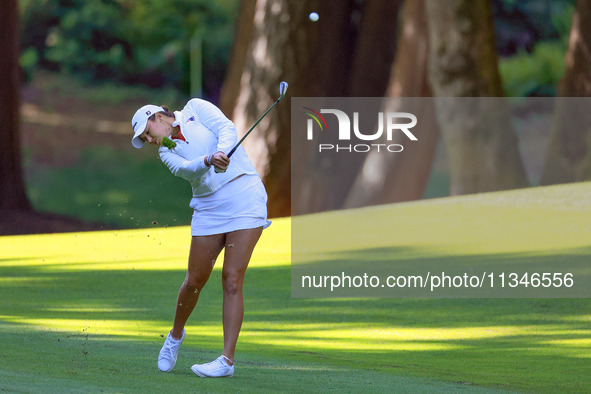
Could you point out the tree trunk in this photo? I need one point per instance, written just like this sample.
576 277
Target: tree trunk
480 141
326 54
316 59
375 48
388 178
372 61
363 39
242 38
569 152
277 46
12 192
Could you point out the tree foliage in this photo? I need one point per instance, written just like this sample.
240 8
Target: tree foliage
128 41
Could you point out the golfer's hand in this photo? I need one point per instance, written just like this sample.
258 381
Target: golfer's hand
220 161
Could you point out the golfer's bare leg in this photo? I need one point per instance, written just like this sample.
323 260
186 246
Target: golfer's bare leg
239 247
203 254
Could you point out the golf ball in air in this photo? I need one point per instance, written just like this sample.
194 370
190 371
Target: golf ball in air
314 17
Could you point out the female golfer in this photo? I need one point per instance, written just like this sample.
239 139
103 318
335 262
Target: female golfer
229 212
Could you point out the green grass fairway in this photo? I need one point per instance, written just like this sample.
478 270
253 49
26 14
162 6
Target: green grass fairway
87 312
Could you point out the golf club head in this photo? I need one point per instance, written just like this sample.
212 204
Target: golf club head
282 89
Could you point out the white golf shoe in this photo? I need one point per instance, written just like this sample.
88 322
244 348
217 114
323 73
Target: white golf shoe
218 368
167 356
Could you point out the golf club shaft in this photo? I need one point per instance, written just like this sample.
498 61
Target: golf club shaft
282 89
252 128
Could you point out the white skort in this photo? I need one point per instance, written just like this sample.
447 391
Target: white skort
238 205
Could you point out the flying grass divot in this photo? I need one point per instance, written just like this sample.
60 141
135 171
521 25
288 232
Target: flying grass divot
168 143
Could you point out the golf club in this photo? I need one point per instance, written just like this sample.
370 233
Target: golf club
282 89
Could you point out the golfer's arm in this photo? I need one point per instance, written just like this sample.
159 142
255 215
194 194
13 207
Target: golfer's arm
215 120
186 169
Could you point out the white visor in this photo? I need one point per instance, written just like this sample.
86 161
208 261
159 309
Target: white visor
139 122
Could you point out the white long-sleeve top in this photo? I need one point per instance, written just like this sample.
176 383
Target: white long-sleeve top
206 130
